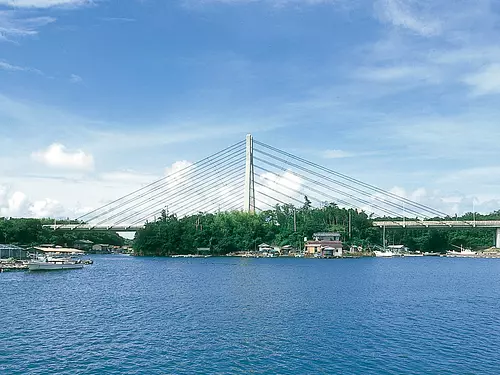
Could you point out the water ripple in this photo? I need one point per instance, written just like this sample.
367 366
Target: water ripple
128 315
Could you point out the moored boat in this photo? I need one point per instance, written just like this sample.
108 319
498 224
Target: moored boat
54 264
384 254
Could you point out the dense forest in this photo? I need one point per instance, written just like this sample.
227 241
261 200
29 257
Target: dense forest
233 231
29 232
288 225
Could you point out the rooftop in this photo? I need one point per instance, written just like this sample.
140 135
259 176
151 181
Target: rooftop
10 247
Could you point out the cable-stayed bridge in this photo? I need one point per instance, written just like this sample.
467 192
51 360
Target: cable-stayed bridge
253 176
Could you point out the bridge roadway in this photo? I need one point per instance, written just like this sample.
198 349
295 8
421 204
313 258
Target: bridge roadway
421 224
94 228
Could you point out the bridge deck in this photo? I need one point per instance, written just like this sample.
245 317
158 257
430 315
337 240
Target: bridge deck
95 228
437 224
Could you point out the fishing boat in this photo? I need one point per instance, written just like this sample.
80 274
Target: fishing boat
54 264
384 254
460 254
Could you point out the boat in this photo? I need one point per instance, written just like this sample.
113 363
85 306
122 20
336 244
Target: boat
384 254
413 254
54 264
460 254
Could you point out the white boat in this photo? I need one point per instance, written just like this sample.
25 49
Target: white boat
460 254
384 254
54 264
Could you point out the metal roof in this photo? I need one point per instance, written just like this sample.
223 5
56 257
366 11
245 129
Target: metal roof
10 247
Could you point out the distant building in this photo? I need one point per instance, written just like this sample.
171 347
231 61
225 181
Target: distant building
265 248
101 249
326 236
329 241
13 251
83 244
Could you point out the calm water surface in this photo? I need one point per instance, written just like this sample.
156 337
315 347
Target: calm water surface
126 315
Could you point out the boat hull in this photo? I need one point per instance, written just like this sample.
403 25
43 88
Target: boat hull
53 267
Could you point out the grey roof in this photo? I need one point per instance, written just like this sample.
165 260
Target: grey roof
10 247
326 234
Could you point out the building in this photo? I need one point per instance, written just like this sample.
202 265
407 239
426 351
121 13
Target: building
101 249
332 252
265 248
329 241
83 244
326 236
13 251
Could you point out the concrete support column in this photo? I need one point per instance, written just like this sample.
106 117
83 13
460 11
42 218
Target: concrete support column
497 242
249 203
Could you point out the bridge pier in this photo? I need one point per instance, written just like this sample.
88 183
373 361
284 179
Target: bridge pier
497 242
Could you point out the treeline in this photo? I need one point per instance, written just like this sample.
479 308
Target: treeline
30 232
234 231
288 225
441 240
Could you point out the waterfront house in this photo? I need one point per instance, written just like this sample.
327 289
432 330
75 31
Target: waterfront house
101 249
326 236
331 252
83 244
265 248
324 240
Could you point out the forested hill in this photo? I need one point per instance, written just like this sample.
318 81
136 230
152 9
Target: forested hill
28 232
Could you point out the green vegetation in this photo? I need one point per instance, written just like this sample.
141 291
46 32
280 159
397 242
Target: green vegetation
233 231
29 232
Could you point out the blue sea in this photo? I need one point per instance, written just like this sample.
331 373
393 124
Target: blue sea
127 315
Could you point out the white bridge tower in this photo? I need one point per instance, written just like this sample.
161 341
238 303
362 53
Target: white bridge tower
249 203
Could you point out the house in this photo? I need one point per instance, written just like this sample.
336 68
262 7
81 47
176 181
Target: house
83 244
326 236
332 252
324 240
101 249
265 248
286 250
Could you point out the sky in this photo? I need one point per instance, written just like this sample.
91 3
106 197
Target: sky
98 98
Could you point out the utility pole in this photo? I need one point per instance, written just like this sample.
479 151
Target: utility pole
350 224
249 203
383 237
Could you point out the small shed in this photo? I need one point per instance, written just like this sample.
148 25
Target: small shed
13 251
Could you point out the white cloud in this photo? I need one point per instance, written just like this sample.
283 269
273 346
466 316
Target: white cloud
74 78
486 81
42 3
46 208
57 156
408 14
14 25
4 65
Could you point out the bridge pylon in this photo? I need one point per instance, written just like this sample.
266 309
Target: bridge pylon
249 198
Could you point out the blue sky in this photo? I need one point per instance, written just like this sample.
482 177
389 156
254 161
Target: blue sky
100 97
